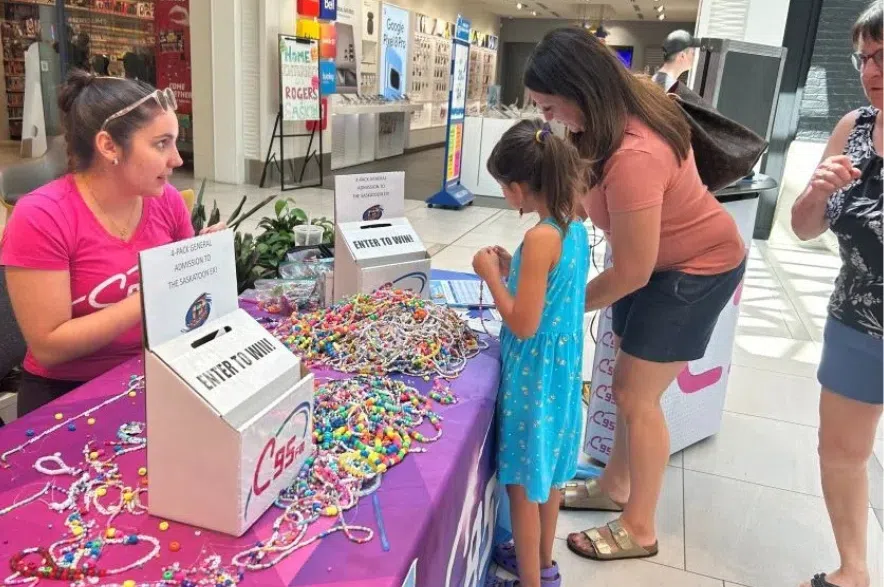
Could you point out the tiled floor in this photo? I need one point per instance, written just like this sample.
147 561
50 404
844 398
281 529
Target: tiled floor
743 508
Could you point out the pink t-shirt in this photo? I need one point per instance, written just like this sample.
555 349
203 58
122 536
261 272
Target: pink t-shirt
53 229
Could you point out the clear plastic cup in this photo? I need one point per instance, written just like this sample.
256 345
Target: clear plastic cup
308 235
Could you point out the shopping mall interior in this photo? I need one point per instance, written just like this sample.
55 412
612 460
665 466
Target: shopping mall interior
741 507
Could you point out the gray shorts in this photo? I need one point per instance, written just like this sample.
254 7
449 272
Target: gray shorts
851 363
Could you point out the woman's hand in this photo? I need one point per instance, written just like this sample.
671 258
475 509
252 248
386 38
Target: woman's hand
486 264
505 260
214 228
832 174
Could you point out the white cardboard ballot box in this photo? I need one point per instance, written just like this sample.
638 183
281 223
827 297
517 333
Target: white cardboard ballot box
376 245
229 408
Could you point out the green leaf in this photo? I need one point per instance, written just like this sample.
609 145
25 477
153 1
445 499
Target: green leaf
279 207
254 209
236 212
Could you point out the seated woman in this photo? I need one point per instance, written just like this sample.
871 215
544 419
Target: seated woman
70 249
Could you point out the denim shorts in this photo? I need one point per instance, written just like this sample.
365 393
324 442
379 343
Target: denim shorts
672 317
851 363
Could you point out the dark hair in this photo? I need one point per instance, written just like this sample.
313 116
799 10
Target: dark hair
573 64
86 101
530 154
868 25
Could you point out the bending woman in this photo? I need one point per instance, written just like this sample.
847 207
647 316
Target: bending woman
70 249
677 260
844 196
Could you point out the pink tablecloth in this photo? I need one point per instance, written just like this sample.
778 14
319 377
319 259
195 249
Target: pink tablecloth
418 502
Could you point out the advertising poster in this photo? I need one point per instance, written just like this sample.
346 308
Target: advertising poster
299 78
328 40
455 147
172 19
308 8
348 49
328 9
457 110
371 20
327 73
394 51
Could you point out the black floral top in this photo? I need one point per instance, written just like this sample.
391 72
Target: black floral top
855 217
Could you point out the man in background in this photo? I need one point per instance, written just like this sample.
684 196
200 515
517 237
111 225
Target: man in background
678 57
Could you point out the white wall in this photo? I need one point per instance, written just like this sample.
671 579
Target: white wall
201 84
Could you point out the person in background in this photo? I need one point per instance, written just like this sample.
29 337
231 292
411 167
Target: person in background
678 58
844 196
538 404
677 261
70 248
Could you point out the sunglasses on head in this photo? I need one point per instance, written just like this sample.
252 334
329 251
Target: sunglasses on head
860 60
165 99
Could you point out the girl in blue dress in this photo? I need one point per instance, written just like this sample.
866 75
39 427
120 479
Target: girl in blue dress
539 401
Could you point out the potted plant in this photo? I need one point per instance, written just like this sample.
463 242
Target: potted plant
278 237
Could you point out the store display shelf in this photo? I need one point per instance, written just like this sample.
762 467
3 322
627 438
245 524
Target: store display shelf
108 13
374 108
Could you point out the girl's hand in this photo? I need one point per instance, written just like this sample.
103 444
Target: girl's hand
214 228
833 174
505 260
486 264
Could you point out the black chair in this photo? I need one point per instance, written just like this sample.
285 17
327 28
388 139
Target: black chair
12 343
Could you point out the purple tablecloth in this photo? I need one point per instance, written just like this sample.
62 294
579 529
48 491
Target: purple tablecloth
437 508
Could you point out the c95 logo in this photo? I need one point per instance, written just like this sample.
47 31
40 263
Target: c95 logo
601 444
282 459
605 393
607 420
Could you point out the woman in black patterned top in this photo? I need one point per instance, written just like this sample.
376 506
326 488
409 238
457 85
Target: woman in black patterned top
844 196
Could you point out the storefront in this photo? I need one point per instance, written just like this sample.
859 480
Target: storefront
43 39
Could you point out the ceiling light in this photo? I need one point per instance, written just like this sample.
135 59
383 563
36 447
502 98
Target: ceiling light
662 16
519 6
533 13
660 8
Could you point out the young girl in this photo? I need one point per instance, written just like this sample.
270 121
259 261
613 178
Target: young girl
538 409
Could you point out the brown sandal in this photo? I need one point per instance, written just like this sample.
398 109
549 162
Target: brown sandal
624 546
588 496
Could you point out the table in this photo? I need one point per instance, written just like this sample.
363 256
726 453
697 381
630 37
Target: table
438 509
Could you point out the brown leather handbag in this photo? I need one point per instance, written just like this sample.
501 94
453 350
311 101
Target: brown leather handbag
725 150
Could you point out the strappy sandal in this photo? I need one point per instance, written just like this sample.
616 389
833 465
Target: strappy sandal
819 580
505 557
624 546
588 496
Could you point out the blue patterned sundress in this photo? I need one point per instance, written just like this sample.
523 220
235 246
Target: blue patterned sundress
539 400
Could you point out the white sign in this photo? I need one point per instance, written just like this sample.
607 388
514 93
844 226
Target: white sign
299 78
187 284
370 196
459 82
394 51
385 239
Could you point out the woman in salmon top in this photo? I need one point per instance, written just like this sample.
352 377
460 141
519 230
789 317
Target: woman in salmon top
677 260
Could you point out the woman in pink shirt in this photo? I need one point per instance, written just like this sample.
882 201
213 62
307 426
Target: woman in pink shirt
70 249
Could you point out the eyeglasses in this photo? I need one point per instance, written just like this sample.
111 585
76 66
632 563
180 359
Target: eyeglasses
859 60
165 99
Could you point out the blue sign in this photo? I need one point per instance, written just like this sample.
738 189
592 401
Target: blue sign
328 9
462 31
327 77
453 194
394 51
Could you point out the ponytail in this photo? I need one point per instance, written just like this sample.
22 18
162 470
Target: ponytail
529 153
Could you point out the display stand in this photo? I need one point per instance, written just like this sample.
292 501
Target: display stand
229 408
290 94
694 403
453 194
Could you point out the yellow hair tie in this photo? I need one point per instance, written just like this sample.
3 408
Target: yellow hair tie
538 136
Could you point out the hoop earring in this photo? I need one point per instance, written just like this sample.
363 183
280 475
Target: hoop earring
116 161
